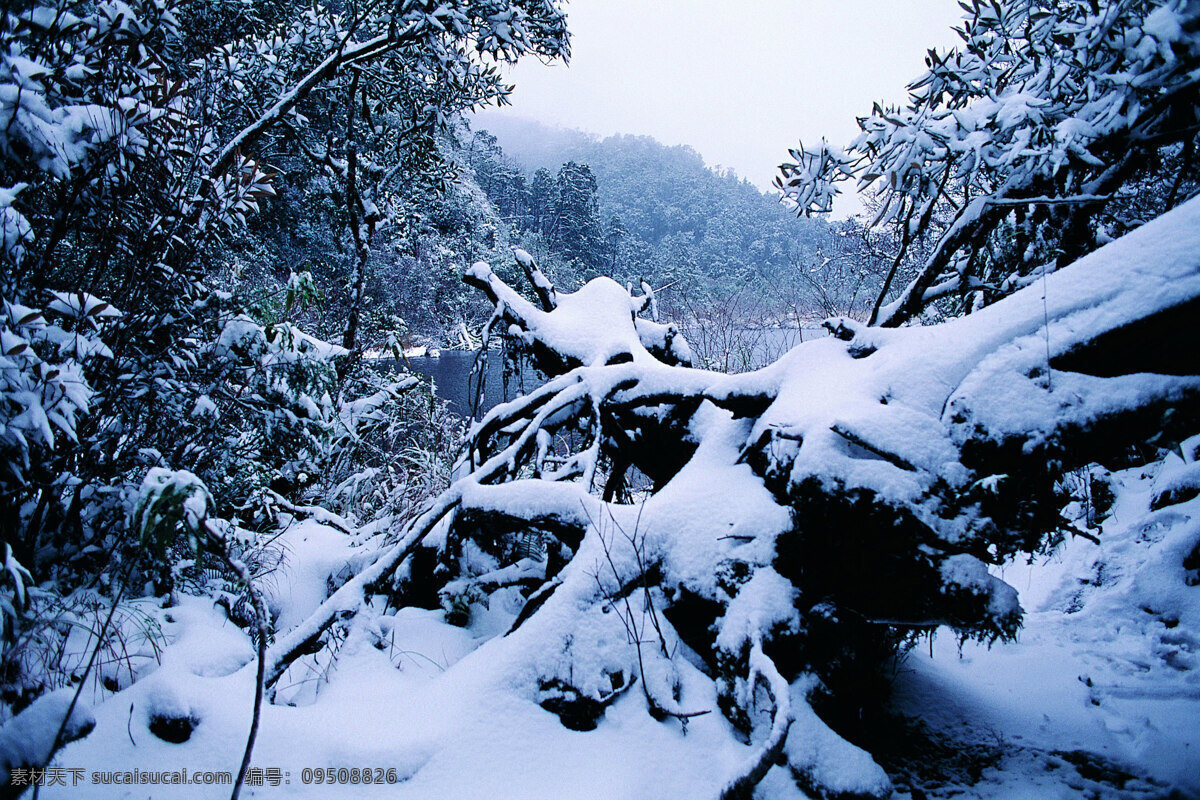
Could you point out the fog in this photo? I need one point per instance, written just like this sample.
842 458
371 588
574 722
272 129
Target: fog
740 82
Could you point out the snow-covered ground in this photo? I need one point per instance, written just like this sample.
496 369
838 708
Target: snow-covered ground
1101 694
1099 697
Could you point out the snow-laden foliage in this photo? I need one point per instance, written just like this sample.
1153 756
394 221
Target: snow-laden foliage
132 137
365 147
1049 130
31 737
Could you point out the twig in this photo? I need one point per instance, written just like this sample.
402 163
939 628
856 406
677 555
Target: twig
260 612
629 619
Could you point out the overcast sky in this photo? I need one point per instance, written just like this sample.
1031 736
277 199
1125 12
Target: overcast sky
740 81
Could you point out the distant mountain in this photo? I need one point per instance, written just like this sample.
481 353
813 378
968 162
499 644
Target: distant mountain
531 144
637 175
713 233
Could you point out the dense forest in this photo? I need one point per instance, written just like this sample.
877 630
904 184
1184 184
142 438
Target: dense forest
230 521
651 212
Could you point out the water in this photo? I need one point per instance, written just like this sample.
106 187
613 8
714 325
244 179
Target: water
455 380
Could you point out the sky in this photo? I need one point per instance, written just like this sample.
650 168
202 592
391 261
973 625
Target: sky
740 81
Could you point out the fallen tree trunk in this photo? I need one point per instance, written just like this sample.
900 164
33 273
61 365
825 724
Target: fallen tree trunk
806 519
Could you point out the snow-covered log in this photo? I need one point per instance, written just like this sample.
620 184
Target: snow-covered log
804 519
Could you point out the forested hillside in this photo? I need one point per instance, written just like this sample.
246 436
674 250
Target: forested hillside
662 212
661 215
714 247
951 548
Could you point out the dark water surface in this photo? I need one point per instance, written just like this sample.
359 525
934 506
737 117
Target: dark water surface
456 378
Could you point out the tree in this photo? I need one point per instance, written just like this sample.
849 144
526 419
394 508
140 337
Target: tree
867 481
129 167
372 131
841 277
541 202
500 179
615 234
1025 148
577 215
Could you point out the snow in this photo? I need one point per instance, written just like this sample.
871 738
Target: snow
204 407
26 739
1177 481
887 410
695 528
1163 24
311 557
82 305
1107 665
765 601
453 711
968 572
592 326
152 512
411 692
202 640
844 769
428 703
239 334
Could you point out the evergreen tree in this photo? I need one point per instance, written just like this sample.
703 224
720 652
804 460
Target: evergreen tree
615 235
577 216
542 203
